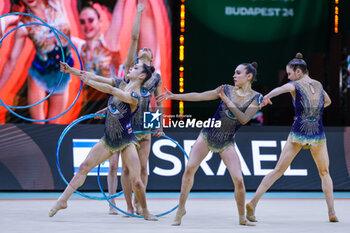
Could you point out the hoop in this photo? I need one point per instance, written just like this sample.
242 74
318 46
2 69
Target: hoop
75 49
65 131
105 197
61 75
124 212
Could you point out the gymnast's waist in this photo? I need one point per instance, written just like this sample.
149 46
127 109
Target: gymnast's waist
52 63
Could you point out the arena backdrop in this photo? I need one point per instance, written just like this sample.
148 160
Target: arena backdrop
28 159
219 35
157 28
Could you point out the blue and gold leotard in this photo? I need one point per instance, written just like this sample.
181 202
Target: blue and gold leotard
103 62
118 130
218 139
147 91
307 128
45 69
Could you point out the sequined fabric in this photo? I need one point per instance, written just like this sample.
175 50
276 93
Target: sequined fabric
118 130
218 139
45 67
307 128
146 91
100 61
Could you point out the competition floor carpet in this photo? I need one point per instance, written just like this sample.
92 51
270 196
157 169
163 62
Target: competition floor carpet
206 212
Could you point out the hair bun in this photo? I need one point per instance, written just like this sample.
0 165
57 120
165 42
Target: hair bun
299 56
152 69
255 64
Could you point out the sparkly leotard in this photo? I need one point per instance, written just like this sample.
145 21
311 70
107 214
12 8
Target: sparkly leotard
102 62
218 139
307 128
147 91
45 69
118 132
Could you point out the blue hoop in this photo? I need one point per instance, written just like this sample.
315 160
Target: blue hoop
124 212
81 66
61 75
105 197
65 131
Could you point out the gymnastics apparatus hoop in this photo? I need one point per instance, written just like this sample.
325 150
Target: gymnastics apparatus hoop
64 132
124 212
81 66
61 75
105 197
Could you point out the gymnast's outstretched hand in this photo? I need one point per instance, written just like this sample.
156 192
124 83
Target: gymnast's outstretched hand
158 132
164 96
102 111
84 76
64 67
266 101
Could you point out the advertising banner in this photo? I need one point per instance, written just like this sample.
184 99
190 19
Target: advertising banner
28 159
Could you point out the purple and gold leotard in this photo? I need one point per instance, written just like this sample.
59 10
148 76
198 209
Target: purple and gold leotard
146 91
218 139
118 131
307 128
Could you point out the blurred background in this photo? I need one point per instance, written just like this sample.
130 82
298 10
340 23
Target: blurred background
219 35
197 45
202 41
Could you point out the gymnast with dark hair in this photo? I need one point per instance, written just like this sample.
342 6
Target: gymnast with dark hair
148 89
118 136
239 104
101 56
99 51
309 100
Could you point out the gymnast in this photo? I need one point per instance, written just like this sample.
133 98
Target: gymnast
309 100
43 74
101 56
118 134
239 104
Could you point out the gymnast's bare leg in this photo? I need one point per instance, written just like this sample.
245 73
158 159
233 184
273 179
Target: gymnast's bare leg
231 160
97 155
143 152
320 156
197 154
290 150
131 160
112 180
